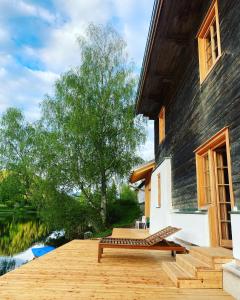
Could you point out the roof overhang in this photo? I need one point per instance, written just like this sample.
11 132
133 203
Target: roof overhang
170 44
142 172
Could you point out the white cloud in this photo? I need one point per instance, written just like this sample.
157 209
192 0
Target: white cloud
79 12
62 50
24 88
2 72
5 59
45 77
4 35
136 25
24 8
33 10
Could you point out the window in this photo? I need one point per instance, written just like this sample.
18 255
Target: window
209 181
159 190
209 46
214 186
161 124
206 178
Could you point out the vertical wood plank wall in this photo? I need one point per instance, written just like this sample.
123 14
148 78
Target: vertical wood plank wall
198 111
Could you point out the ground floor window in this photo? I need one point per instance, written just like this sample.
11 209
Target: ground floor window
214 184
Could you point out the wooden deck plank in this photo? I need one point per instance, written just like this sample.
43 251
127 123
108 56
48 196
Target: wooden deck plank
130 233
218 252
72 272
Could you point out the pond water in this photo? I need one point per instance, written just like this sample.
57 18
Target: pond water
19 232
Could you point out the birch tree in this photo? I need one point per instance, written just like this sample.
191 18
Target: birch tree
91 133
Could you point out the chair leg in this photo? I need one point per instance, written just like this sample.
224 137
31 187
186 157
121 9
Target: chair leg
173 253
182 252
100 252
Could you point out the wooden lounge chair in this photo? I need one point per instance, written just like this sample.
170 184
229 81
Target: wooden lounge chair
153 242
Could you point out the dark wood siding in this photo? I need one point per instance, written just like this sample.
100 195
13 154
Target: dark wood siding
197 112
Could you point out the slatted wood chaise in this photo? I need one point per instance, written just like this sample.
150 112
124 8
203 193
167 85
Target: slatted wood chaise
153 242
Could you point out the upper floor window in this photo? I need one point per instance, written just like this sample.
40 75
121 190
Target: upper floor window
161 123
209 46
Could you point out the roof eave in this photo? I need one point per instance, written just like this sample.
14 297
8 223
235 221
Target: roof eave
148 49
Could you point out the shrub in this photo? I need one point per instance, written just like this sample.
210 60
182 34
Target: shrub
73 214
124 210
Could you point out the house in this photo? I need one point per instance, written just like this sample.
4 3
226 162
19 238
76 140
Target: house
143 172
140 190
190 87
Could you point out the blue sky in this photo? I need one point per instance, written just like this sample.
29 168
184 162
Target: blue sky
38 43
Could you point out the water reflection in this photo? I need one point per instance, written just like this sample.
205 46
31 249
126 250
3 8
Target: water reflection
19 231
7 265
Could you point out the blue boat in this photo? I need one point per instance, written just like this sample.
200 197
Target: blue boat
37 252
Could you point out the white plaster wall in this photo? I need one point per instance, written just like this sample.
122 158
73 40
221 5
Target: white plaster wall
231 279
160 217
141 196
235 219
195 227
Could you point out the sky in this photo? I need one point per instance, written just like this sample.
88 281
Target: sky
38 42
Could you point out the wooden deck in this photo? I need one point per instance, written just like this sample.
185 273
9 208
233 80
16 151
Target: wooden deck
72 272
130 233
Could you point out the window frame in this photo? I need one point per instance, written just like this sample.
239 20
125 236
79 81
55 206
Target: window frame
161 125
206 28
220 138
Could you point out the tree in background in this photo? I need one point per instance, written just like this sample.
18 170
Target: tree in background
17 140
88 134
12 190
124 209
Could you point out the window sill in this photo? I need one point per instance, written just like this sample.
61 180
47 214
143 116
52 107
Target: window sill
237 212
191 212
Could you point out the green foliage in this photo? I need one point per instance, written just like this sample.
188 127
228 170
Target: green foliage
62 211
16 142
12 190
124 210
17 157
126 193
121 212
